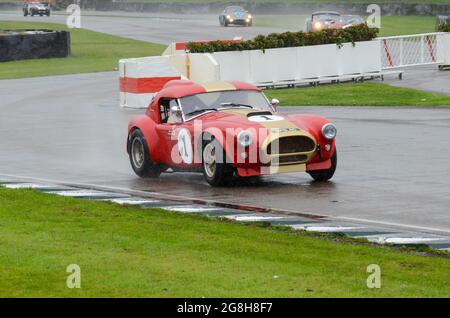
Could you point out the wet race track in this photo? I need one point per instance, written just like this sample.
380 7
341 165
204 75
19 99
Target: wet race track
393 162
393 168
158 28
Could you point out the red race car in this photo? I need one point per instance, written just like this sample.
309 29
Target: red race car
227 129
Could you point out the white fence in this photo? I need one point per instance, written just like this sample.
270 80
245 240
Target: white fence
141 78
299 63
413 50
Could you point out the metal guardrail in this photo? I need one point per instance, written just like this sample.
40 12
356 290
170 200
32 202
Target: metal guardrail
411 50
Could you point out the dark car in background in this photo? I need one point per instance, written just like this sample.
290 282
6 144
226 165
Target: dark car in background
235 15
36 8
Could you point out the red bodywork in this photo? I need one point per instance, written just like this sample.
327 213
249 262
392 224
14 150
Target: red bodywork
162 137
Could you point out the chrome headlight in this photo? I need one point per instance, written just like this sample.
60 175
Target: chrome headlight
329 131
245 138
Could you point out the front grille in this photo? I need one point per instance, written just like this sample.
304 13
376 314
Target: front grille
291 144
289 159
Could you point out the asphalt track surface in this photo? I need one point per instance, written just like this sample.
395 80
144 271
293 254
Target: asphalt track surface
393 165
158 28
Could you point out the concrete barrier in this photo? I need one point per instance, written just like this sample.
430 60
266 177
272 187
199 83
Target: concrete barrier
443 42
299 63
32 44
141 78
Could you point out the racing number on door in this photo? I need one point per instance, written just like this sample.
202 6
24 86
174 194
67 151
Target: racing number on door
185 146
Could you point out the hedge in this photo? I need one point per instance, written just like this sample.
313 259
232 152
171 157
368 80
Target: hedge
289 39
444 27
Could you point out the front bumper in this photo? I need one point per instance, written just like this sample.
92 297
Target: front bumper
296 151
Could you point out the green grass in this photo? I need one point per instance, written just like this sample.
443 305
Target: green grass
135 252
401 25
91 52
360 94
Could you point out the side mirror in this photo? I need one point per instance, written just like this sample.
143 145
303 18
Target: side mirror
275 102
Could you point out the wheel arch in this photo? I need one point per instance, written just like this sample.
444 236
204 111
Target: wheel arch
148 128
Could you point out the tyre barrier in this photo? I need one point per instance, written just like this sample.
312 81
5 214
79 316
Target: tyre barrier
33 44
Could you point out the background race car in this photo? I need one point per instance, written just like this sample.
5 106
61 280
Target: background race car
345 21
36 8
320 20
235 15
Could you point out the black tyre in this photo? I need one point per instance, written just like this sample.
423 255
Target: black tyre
25 13
215 169
140 159
325 175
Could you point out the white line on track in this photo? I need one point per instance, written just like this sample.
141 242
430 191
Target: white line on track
253 218
328 229
131 201
178 197
189 209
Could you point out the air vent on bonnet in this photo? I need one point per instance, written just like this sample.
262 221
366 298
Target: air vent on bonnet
258 114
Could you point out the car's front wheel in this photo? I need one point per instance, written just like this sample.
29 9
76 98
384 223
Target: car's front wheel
215 169
140 159
326 174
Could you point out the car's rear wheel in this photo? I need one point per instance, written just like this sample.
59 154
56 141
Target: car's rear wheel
215 169
327 174
140 159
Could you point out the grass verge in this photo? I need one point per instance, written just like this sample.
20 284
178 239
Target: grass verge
357 94
91 52
135 252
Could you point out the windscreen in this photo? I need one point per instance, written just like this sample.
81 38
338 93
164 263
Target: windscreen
196 104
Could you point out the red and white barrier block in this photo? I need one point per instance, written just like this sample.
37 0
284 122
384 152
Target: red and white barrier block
141 78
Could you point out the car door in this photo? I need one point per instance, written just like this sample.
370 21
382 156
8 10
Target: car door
174 147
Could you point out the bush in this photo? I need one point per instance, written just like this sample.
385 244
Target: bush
289 39
444 27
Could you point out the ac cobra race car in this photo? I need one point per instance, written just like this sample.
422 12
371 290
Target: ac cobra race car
227 130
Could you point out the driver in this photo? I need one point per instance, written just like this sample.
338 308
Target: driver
174 114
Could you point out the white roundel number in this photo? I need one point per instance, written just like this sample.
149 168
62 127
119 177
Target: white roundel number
185 146
265 118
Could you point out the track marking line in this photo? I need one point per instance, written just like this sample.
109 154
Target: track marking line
190 209
27 185
324 229
253 218
131 201
403 240
84 193
180 198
